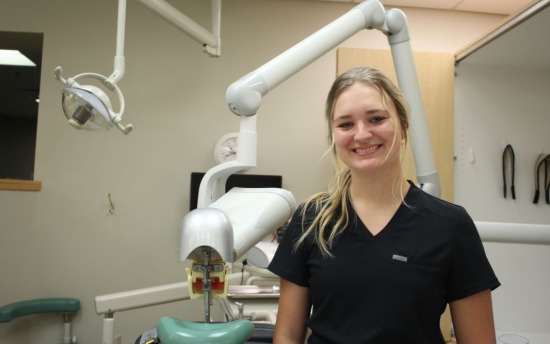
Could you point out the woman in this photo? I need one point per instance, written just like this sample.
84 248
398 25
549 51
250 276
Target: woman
375 259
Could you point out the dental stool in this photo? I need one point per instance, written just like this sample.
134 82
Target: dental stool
174 331
67 307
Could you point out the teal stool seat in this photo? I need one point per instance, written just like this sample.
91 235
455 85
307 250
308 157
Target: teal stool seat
47 305
175 331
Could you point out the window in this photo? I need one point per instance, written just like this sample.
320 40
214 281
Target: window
19 99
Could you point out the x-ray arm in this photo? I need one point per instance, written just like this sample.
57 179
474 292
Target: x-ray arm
244 95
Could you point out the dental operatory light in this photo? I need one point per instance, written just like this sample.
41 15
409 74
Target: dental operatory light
88 106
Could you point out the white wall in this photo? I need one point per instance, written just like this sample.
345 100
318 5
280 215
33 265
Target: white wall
496 106
62 241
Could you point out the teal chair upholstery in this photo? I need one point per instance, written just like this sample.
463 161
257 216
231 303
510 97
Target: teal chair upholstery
67 307
175 331
46 305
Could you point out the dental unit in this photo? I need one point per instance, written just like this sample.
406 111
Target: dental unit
227 225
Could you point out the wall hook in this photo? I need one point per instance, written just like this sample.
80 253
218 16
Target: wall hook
111 204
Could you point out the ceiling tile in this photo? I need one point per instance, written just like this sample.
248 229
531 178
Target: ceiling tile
493 6
504 7
435 4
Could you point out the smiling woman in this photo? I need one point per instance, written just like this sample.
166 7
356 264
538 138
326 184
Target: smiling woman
19 96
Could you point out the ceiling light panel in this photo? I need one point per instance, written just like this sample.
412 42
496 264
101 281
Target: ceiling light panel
14 58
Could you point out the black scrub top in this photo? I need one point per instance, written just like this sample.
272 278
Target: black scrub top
391 287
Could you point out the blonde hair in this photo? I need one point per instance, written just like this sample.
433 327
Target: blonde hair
332 216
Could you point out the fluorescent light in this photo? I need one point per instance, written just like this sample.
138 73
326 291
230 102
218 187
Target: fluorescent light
14 58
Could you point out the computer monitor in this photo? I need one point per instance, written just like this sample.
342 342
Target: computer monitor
234 180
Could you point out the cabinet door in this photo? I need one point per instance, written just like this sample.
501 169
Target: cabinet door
436 78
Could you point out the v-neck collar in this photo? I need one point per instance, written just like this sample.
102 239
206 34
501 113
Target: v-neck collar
362 229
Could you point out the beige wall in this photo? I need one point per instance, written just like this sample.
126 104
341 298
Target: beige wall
62 241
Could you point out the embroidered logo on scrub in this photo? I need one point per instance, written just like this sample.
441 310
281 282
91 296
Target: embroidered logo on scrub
399 258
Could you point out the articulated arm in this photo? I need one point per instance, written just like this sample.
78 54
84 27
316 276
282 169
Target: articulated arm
244 96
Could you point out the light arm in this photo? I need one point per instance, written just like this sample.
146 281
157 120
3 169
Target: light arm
210 40
119 63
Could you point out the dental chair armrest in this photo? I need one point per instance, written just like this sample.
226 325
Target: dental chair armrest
45 305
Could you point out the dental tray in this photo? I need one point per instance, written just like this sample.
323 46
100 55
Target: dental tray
252 292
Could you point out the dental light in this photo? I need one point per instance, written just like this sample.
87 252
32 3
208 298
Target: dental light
89 107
